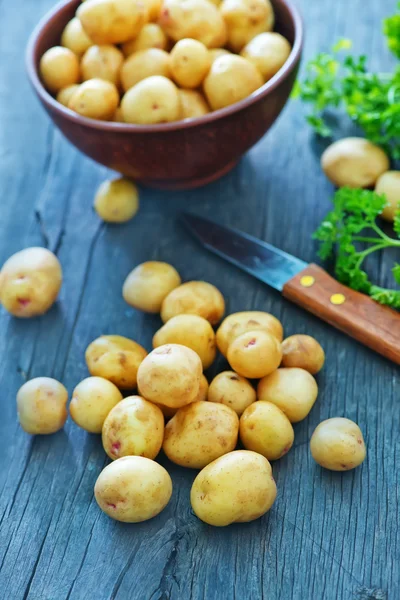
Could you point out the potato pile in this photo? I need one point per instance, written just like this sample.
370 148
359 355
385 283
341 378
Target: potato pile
158 61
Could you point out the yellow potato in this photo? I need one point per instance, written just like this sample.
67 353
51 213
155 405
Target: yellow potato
191 331
41 406
215 53
255 354
238 323
148 284
303 351
115 358
118 116
268 52
265 429
59 68
196 19
30 282
190 63
154 9
153 100
236 488
134 427
102 62
75 38
117 200
92 400
95 99
231 389
230 79
338 444
201 396
170 375
143 64
194 298
193 104
389 185
150 36
112 21
65 94
133 489
200 433
294 391
245 19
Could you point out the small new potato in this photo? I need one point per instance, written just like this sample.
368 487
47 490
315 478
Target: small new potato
134 427
117 200
194 298
143 64
95 99
30 282
193 104
255 354
65 94
303 351
230 79
59 68
118 117
268 52
265 429
190 63
338 445
231 389
152 100
75 38
199 433
115 358
150 36
133 489
236 488
112 21
154 9
245 19
354 162
102 62
197 19
293 390
201 396
389 184
92 400
42 406
148 284
238 323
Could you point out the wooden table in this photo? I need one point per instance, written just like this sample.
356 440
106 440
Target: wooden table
329 535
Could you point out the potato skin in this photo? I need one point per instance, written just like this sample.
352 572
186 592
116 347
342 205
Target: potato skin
152 100
245 19
293 390
112 21
196 19
199 433
117 200
193 104
194 298
59 67
255 354
190 63
102 62
133 489
201 396
241 322
265 429
268 52
337 444
303 351
66 93
150 36
41 406
235 488
75 38
95 99
143 64
231 389
92 400
389 184
148 284
222 87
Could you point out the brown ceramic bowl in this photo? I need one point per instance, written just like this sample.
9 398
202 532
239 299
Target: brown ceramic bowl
177 155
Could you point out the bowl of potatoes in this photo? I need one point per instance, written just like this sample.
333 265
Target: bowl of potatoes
169 92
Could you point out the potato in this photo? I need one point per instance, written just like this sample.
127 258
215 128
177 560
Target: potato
230 79
190 63
148 284
65 94
194 298
154 9
303 351
151 36
112 21
30 282
153 100
191 331
193 104
354 162
389 184
236 488
102 62
95 99
170 375
215 53
92 400
118 117
41 406
238 323
245 19
231 389
268 52
265 429
115 358
133 489
201 396
199 433
255 354
338 444
196 19
134 427
293 390
117 200
75 38
143 64
59 68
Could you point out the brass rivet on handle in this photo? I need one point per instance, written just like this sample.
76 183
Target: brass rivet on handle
338 299
307 281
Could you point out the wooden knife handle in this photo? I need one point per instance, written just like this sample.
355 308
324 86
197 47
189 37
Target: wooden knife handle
356 314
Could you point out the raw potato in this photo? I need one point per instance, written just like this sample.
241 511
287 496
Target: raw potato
102 62
200 433
303 351
201 396
30 281
151 36
59 68
268 52
95 99
148 284
338 444
190 63
231 389
170 375
133 489
354 162
196 19
245 19
118 116
389 184
154 9
153 100
75 38
191 331
143 64
235 488
238 323
134 427
115 358
294 391
92 400
193 104
255 354
112 21
65 94
217 52
230 79
265 429
194 298
117 200
41 406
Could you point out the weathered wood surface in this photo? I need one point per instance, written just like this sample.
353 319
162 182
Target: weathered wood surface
329 536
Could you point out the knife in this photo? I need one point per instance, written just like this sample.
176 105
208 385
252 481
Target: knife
307 285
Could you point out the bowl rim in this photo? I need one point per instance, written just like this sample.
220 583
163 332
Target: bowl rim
114 126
